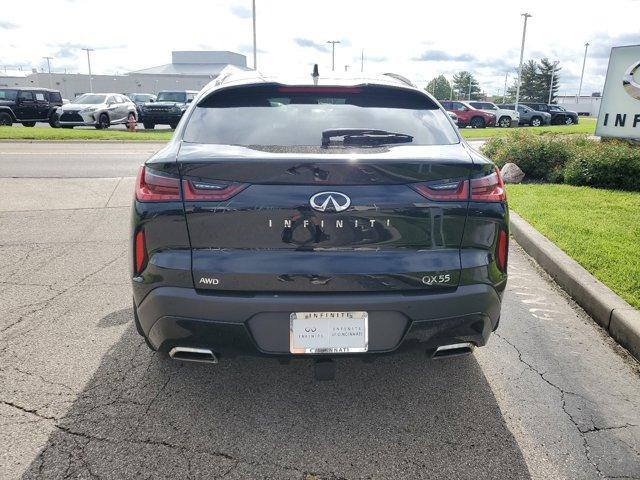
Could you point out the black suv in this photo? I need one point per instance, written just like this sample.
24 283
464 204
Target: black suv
29 105
310 220
559 116
167 108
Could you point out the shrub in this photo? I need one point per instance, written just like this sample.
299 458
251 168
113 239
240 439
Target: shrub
541 157
606 164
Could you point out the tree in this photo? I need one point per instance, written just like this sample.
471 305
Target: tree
463 83
546 69
439 87
530 82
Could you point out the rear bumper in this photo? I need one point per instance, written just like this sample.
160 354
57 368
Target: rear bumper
258 324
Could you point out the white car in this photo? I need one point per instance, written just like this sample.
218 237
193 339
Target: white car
504 118
97 109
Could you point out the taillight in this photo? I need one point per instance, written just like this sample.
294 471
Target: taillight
443 191
489 188
139 252
502 251
211 190
154 186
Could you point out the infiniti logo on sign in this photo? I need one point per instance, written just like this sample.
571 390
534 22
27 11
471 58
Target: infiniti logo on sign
630 85
330 202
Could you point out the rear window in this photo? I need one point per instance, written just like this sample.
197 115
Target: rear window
297 116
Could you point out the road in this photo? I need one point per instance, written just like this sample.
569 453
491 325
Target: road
550 397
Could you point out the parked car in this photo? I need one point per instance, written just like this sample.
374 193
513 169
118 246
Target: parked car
469 116
167 109
140 99
28 105
297 220
529 116
453 117
97 109
504 118
559 115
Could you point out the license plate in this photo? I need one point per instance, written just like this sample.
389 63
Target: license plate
328 332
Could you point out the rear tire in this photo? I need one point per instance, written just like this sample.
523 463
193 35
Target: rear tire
536 121
477 122
504 122
5 119
54 121
148 125
103 122
28 124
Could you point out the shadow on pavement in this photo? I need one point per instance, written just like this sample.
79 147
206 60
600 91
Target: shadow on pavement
145 416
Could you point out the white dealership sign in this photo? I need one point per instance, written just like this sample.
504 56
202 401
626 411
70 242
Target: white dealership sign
620 108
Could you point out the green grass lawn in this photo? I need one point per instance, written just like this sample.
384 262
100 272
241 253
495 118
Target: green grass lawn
46 133
599 228
586 126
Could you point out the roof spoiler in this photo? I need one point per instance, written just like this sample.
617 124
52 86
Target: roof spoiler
400 78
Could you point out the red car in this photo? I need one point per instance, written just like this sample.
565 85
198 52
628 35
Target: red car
469 116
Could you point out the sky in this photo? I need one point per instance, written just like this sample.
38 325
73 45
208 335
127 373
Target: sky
418 39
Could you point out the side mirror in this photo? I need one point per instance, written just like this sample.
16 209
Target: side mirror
151 100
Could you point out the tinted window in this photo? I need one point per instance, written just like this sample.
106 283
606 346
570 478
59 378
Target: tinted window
8 94
458 106
26 95
89 99
55 97
172 97
288 116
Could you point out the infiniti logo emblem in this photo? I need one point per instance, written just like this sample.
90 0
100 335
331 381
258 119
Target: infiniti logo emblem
630 85
330 202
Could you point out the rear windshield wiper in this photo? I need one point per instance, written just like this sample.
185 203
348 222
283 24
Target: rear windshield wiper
364 136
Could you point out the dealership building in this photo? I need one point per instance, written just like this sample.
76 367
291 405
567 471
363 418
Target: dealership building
188 70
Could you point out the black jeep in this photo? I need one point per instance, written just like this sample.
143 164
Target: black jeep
167 109
29 105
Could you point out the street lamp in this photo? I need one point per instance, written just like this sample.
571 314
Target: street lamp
504 92
333 53
553 71
584 62
255 49
524 35
48 59
89 64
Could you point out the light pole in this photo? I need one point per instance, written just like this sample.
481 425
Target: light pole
333 53
524 35
362 60
584 62
255 49
89 64
504 92
48 59
469 87
553 71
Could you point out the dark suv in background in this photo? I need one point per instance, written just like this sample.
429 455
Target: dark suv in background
529 116
28 106
140 99
167 108
559 115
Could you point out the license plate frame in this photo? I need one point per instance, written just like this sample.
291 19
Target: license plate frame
336 332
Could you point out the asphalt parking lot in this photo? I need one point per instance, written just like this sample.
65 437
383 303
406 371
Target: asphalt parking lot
550 397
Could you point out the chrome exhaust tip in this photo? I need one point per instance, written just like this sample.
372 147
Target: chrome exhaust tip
189 354
454 350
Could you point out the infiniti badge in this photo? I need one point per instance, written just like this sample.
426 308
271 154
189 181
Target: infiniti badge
631 87
330 202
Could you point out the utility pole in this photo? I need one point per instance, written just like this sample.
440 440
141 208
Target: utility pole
255 49
584 62
89 64
451 91
362 61
524 36
469 86
504 92
553 71
48 59
333 53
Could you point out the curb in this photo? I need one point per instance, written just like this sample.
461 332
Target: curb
610 311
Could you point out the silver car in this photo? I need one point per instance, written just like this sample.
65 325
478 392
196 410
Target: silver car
97 109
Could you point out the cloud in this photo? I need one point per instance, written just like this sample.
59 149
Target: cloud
7 25
307 43
601 43
67 50
442 56
241 12
375 58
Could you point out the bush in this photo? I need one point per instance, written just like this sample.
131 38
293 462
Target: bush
606 164
541 157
